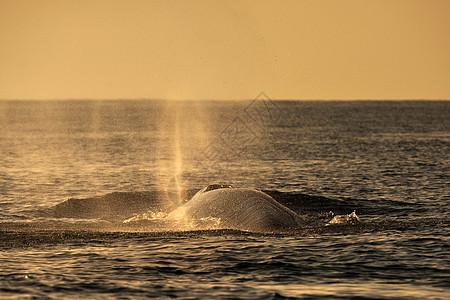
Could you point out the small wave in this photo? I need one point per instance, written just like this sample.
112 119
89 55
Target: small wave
25 235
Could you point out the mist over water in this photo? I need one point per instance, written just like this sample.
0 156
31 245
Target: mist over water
118 159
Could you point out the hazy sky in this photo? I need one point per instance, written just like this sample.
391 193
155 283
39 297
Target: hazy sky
315 49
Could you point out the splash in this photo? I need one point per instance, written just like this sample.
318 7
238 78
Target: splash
173 224
344 219
149 216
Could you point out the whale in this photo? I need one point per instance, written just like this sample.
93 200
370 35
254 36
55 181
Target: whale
239 209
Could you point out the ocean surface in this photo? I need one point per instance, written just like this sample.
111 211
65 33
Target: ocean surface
86 186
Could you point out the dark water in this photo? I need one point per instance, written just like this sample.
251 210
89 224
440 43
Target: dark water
134 161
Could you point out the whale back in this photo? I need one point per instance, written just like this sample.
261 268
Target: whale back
238 208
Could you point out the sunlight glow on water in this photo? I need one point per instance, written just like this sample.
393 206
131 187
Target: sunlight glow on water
369 266
387 161
54 151
363 290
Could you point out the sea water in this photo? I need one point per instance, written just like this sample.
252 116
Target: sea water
134 161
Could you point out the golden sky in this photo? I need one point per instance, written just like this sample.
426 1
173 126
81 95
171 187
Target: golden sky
346 49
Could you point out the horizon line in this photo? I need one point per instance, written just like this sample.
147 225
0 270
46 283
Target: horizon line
205 99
